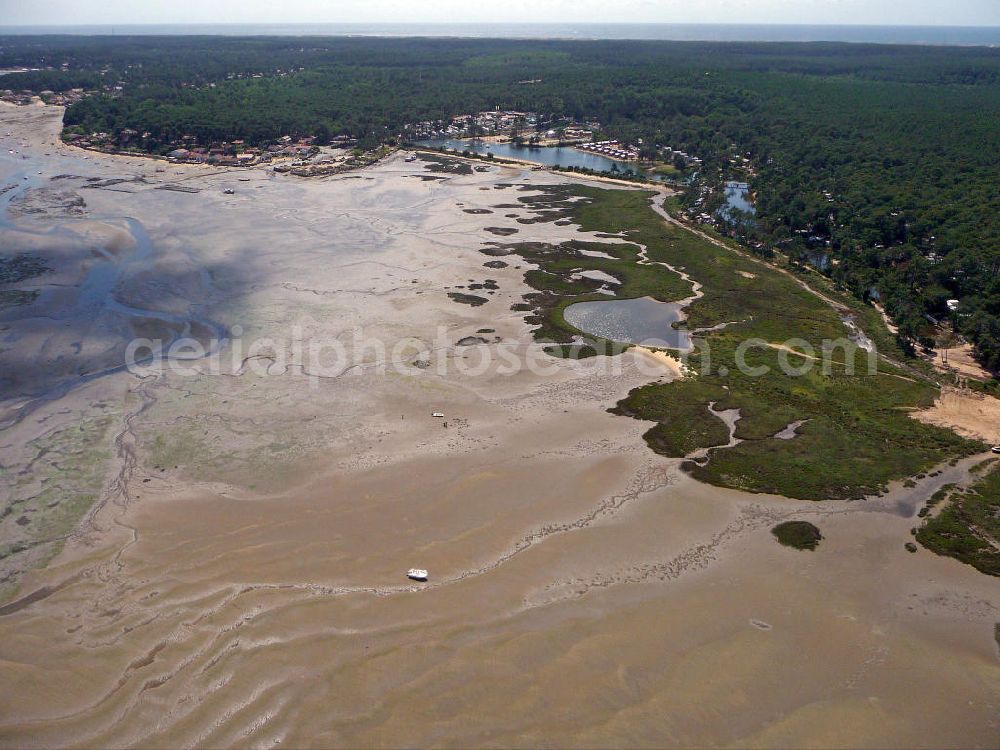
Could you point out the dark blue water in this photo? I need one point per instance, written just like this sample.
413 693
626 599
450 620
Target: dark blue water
946 35
550 156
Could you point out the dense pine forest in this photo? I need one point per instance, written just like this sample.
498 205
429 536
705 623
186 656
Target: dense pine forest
884 158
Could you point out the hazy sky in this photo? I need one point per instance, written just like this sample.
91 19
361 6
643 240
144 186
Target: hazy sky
880 12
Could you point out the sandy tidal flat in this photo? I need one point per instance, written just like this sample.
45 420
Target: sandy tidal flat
238 575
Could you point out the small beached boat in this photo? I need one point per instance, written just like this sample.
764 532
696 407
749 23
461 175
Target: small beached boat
417 574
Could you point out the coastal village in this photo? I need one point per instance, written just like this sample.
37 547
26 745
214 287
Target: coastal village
305 155
527 128
24 98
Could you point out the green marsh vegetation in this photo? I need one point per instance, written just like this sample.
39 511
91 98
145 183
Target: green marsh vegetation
855 435
800 535
444 165
968 526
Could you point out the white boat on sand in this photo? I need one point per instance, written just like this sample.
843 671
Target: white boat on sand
417 574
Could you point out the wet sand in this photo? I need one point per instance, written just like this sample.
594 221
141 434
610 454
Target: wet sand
240 580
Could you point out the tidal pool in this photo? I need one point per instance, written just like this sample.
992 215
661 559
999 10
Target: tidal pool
634 321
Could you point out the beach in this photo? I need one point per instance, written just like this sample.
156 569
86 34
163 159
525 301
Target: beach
226 561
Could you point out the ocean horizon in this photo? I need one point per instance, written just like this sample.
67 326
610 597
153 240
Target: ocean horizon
928 35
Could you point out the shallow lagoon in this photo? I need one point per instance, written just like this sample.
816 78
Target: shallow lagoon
635 321
550 156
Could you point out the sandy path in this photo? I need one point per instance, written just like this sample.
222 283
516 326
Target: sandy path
959 359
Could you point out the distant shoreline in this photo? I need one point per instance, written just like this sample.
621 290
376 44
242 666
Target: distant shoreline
969 36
